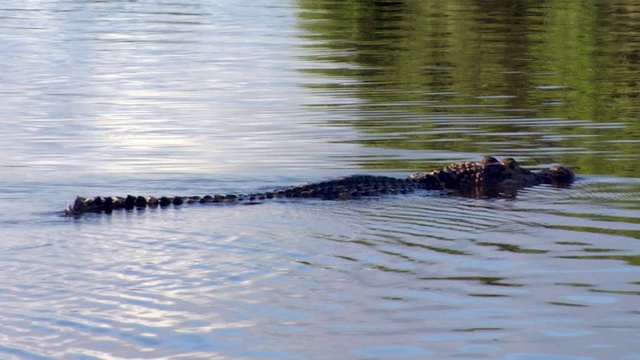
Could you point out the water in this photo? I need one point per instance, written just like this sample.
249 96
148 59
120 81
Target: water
184 97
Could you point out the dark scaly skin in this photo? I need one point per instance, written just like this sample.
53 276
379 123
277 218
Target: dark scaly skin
490 177
486 178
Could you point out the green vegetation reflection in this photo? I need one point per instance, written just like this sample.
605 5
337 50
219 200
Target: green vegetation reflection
629 259
486 280
549 81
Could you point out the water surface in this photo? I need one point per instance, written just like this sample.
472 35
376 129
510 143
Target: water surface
184 97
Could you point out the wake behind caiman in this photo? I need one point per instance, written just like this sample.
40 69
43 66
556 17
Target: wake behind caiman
484 179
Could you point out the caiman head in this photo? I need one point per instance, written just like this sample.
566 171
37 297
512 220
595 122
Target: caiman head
557 175
508 172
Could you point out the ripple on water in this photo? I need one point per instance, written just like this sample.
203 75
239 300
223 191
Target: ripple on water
415 275
180 96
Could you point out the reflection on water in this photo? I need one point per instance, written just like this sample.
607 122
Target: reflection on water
188 97
111 87
551 81
410 275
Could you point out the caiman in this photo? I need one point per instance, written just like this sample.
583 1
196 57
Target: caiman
483 179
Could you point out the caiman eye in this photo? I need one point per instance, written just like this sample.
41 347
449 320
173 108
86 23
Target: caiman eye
509 163
489 160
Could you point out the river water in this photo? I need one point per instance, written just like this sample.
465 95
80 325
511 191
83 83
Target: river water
191 97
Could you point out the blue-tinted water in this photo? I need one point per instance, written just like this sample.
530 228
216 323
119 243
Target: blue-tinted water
183 97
